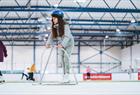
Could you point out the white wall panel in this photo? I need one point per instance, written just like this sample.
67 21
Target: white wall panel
23 57
126 56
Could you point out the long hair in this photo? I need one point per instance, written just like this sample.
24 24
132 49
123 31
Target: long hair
61 24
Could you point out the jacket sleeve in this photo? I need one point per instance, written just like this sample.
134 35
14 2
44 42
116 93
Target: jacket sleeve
50 39
67 36
5 51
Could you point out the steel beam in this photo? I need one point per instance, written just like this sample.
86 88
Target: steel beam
76 24
73 29
66 9
77 20
127 34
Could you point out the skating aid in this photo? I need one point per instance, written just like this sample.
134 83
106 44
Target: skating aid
55 82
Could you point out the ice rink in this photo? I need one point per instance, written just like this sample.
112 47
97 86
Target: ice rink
83 88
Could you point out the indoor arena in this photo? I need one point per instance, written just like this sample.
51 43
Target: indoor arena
69 47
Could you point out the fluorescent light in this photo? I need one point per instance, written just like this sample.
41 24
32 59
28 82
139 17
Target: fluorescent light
48 28
55 5
106 37
117 30
133 21
48 18
46 35
44 39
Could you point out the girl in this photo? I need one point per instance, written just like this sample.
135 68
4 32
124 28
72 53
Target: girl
61 32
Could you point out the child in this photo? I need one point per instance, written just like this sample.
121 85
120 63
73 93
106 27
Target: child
25 73
29 73
88 72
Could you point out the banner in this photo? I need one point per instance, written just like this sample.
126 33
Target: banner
98 76
138 75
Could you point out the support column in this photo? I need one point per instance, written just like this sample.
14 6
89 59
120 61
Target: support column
79 62
12 56
34 53
130 66
101 61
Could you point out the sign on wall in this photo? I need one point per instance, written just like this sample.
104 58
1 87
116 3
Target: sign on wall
98 76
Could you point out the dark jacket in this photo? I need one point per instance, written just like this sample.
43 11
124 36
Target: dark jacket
3 52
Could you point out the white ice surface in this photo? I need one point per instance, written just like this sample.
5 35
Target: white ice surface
83 88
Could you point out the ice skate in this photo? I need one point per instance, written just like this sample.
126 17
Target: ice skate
66 78
1 79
